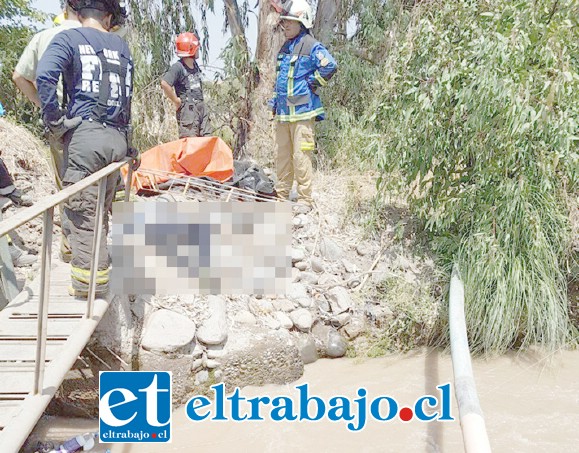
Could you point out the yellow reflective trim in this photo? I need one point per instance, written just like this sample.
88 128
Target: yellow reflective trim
307 146
99 280
83 275
290 76
290 82
86 272
320 79
300 116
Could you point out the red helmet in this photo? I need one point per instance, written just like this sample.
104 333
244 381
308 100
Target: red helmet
186 45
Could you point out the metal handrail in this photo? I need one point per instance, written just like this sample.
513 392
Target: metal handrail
39 207
472 422
46 207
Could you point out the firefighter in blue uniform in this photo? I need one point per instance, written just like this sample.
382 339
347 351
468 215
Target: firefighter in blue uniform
97 69
303 66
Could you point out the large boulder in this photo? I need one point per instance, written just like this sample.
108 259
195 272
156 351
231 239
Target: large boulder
180 367
214 329
169 332
254 356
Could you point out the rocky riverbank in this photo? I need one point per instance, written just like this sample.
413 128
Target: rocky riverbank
351 294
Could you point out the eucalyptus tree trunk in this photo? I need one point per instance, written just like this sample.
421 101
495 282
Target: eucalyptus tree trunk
246 74
326 19
269 39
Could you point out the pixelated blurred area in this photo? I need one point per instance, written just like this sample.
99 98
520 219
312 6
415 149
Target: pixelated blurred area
201 240
201 248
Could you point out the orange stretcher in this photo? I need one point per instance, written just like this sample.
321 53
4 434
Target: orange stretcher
192 156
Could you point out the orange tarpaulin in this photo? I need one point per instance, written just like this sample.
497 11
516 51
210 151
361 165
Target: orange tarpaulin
192 156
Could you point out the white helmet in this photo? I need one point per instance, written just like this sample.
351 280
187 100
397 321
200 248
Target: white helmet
298 10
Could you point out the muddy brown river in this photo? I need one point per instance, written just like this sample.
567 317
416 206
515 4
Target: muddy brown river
530 402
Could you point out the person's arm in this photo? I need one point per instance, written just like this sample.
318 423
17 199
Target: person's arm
168 82
56 59
24 74
170 93
325 65
27 87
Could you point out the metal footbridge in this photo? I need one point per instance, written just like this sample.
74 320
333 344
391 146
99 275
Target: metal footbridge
43 329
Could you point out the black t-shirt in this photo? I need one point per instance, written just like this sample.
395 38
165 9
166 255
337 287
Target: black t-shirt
75 54
186 81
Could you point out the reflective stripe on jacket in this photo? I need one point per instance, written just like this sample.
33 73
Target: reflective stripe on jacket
303 65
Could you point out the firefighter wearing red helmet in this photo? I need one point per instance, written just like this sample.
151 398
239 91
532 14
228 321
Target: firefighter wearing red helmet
182 84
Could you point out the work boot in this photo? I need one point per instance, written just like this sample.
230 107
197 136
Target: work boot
65 256
20 258
19 199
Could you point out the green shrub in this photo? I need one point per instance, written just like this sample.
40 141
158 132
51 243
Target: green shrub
478 114
16 28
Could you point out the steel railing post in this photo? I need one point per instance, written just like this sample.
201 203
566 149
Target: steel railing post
96 244
129 183
43 302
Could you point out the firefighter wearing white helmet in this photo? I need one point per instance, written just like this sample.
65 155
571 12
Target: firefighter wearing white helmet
303 66
298 10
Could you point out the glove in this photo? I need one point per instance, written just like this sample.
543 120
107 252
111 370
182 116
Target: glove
62 125
313 87
134 154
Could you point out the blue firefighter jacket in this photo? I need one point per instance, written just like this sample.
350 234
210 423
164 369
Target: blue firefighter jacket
303 65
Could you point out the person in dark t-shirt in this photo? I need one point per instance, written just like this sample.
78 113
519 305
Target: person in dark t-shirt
183 86
97 70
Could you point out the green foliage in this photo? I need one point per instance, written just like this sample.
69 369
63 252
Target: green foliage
478 112
413 316
354 87
236 84
18 12
345 103
16 17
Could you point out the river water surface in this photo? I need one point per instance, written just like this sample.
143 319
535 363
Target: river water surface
530 402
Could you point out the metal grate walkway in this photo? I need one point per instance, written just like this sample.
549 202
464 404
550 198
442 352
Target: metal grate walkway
68 331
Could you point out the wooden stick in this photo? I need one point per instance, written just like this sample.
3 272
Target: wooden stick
99 359
353 279
117 357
